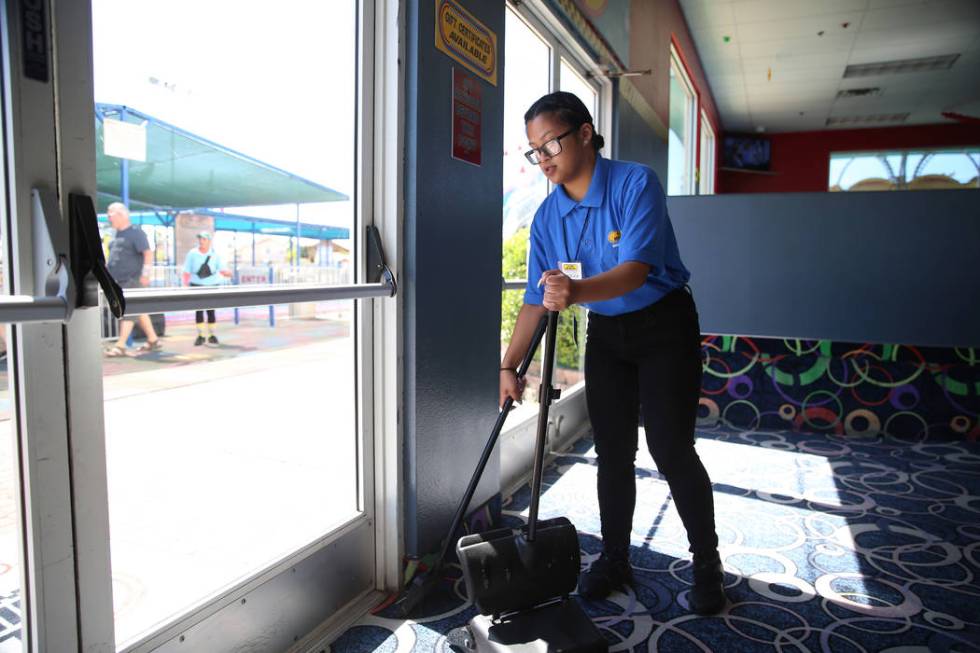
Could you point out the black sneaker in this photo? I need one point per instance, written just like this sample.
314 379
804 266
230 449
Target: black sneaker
212 340
603 577
199 341
707 596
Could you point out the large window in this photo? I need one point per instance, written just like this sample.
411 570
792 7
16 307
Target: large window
919 169
682 131
536 62
213 475
234 443
572 81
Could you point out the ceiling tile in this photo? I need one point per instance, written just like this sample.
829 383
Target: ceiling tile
807 70
726 86
700 15
893 4
722 67
797 28
790 89
758 10
711 42
806 75
796 47
863 107
870 47
921 16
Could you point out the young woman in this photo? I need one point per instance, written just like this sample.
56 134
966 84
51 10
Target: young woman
603 239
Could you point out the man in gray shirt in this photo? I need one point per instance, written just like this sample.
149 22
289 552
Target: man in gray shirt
130 260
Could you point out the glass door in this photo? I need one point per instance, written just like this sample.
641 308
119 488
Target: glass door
13 630
221 431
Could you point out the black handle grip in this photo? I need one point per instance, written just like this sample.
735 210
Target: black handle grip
87 255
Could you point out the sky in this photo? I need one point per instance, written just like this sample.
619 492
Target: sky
275 81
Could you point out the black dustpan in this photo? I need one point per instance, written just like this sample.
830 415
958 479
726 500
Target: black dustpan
421 585
507 570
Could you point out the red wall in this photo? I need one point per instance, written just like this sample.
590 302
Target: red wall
800 161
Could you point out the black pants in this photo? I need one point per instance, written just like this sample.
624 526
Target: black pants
651 359
199 315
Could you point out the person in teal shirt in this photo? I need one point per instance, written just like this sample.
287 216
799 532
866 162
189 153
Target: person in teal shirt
202 268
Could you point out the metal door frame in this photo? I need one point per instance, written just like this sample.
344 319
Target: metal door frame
56 372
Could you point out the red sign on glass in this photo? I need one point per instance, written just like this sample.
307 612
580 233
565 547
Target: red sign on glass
467 118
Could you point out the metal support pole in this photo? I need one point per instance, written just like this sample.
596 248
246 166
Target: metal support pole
299 230
234 267
123 170
173 232
272 308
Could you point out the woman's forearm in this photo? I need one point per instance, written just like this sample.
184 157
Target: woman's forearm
622 279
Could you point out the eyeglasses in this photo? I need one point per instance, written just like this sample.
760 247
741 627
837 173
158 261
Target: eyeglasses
550 149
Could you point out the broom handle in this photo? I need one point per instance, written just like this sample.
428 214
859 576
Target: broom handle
494 434
545 397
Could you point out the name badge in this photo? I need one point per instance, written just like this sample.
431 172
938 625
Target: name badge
571 269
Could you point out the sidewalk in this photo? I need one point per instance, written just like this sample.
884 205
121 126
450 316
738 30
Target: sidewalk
215 470
235 340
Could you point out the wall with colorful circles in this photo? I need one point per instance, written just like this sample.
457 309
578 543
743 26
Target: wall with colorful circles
910 393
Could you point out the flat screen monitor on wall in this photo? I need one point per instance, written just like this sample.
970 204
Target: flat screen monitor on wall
746 153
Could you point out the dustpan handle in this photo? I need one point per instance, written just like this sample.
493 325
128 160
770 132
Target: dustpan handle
546 395
492 441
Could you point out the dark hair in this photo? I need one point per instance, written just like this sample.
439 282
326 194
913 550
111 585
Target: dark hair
569 109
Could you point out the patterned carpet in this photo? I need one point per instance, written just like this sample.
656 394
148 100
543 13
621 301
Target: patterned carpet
831 543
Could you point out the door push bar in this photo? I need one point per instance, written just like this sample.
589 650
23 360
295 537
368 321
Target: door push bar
380 282
68 264
70 269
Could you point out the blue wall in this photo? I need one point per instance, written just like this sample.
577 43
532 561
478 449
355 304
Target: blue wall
636 140
452 282
857 267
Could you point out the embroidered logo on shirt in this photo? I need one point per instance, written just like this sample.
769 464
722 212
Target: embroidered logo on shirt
614 237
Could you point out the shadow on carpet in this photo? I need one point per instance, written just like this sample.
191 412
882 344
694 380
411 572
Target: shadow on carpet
830 543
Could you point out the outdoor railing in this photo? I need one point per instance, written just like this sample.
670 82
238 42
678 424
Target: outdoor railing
171 276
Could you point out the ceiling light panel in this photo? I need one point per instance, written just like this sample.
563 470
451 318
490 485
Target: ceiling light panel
848 93
872 119
901 66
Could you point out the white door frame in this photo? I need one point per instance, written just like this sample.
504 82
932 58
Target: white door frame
706 160
691 136
56 370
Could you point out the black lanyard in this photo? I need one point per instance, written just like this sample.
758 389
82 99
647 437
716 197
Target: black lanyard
564 236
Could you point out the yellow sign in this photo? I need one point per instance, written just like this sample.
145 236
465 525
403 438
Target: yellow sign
466 39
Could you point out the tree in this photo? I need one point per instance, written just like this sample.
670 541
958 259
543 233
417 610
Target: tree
569 354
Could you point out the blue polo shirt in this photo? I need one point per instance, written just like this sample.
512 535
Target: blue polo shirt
623 217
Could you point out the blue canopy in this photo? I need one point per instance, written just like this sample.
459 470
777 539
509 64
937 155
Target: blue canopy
245 223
